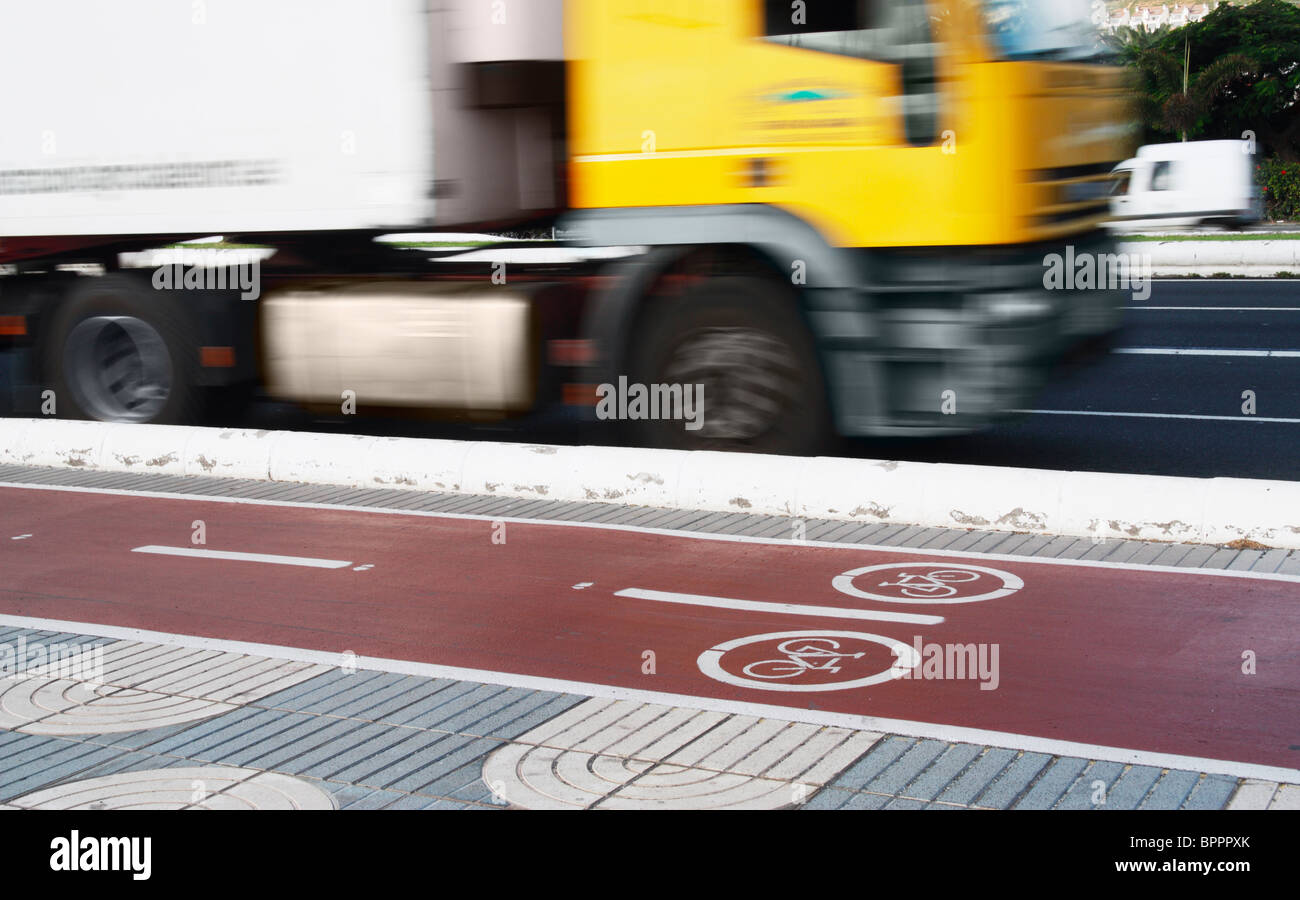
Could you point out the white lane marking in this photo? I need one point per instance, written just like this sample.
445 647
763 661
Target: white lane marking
1133 415
1220 308
1206 351
365 568
828 612
668 532
583 584
245 557
20 537
950 733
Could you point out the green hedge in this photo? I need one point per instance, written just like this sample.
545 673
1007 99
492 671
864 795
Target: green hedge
1280 183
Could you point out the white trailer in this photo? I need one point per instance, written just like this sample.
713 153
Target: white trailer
244 116
309 125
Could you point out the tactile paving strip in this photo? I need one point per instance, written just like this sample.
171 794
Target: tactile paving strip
143 686
207 787
618 754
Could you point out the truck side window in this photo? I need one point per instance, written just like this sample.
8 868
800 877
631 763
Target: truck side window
868 29
1162 176
893 31
833 26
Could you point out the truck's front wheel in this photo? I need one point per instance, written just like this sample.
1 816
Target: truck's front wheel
113 356
740 342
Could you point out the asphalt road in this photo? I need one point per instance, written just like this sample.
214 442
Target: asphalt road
1162 413
1137 411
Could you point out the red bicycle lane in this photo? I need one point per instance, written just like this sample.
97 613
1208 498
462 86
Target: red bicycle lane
1121 657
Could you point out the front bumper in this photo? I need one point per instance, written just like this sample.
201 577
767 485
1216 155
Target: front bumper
962 337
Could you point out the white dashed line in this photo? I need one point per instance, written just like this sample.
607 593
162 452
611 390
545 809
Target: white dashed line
245 557
1136 415
1205 351
829 612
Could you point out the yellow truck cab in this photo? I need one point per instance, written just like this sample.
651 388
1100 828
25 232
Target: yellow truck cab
849 200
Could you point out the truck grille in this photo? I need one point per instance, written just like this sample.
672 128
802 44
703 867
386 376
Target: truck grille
1073 195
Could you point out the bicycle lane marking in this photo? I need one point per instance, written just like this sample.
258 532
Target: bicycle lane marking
928 582
1072 662
804 661
798 654
1115 657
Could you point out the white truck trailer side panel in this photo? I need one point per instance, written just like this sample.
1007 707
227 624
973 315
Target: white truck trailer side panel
221 116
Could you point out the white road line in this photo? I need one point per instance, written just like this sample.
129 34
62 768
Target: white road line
828 612
1133 415
1206 351
949 733
20 537
245 557
1221 308
664 532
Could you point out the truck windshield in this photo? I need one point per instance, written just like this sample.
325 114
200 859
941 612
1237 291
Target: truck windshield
1043 29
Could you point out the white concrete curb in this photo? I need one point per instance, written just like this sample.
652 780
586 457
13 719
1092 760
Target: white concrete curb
1235 257
1082 504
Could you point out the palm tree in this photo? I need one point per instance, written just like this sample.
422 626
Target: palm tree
1175 100
1129 42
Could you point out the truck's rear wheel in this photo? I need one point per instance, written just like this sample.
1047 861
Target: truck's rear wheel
744 341
115 357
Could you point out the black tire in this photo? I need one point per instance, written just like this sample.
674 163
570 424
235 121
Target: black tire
115 351
745 341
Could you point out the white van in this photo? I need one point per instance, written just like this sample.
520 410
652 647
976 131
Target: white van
1193 183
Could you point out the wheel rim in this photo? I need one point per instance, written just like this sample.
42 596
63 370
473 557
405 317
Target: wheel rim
118 368
751 380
